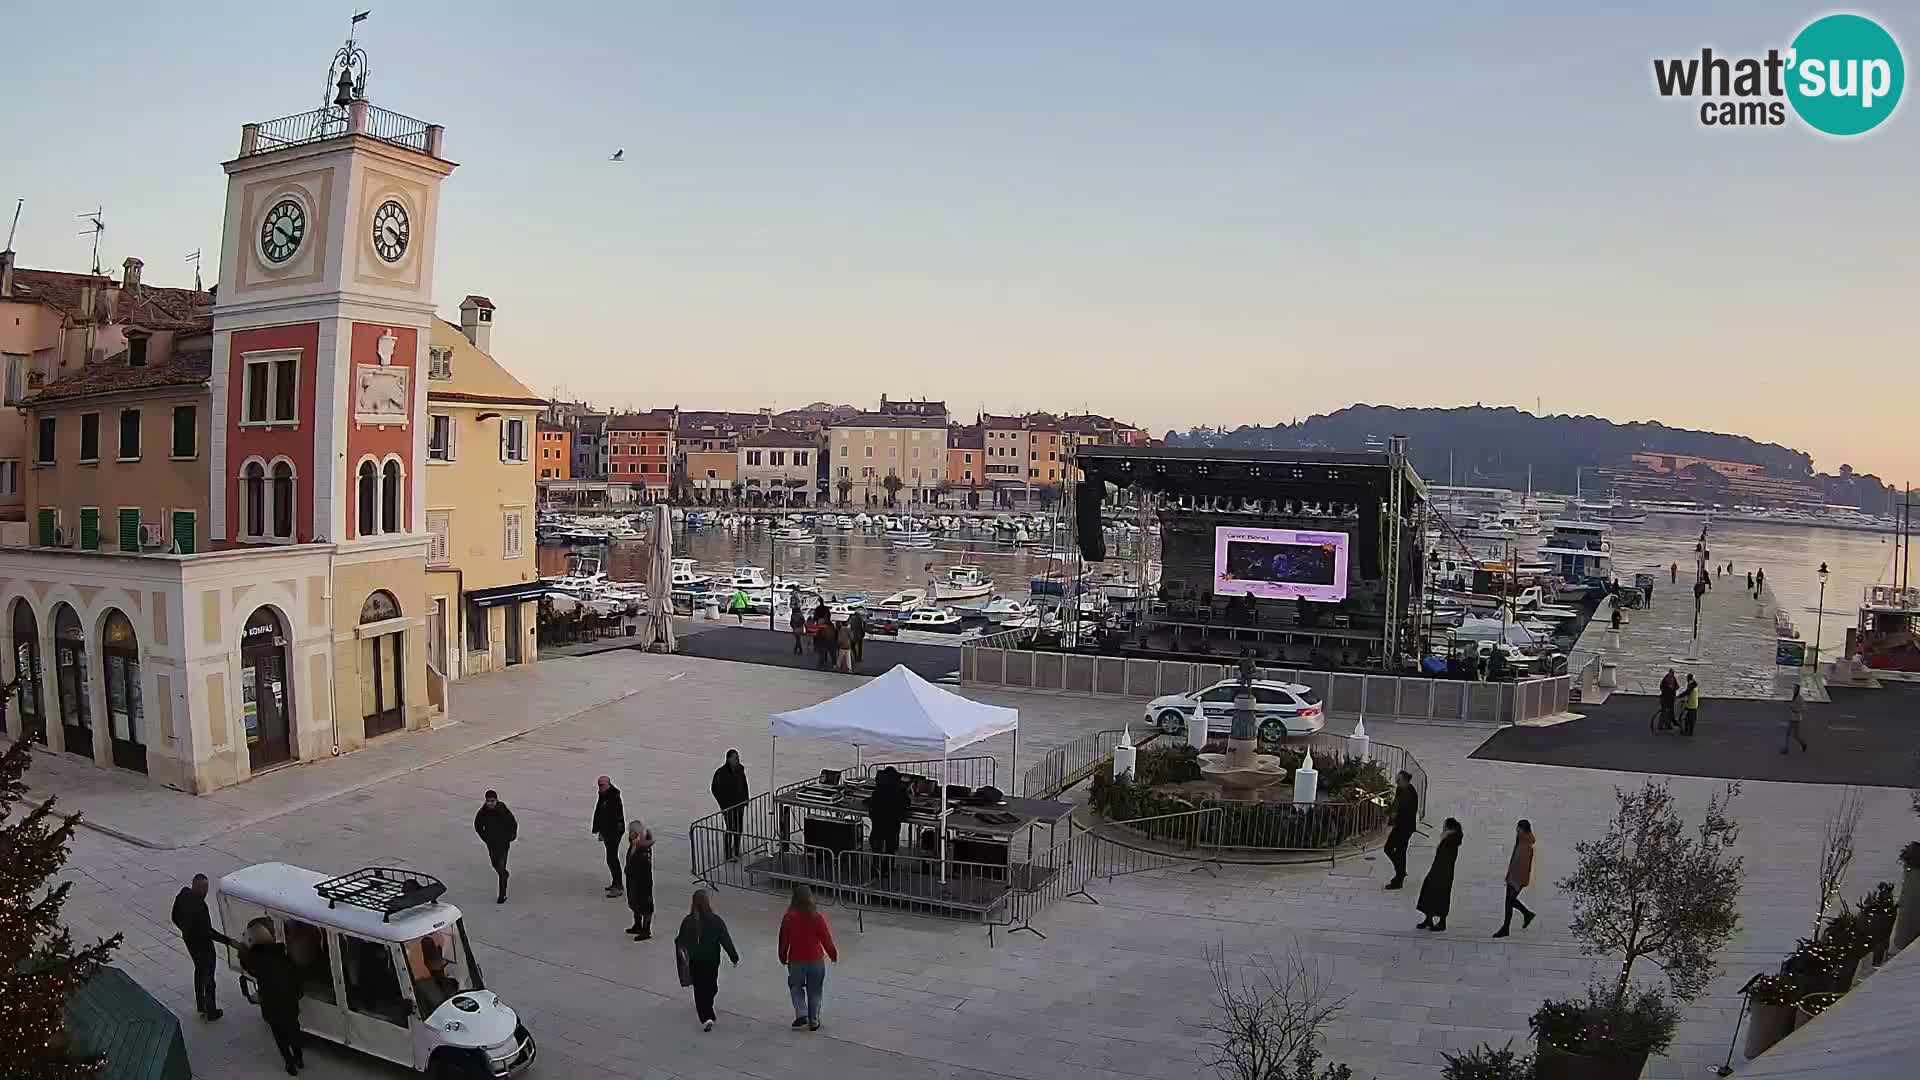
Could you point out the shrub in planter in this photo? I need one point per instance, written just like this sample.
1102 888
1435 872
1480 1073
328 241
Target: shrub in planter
1850 941
1877 911
1596 1038
1813 1005
1906 925
1771 999
1483 1062
1818 966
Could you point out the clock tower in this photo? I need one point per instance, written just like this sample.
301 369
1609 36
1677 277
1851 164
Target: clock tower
318 386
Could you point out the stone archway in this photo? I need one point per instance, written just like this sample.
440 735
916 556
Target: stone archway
70 678
382 666
26 665
126 714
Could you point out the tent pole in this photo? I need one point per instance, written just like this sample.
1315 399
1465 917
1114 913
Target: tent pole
773 755
1013 777
940 834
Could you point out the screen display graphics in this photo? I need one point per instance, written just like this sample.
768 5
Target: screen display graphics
1280 564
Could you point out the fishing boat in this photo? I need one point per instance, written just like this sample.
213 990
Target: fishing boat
905 600
962 582
1003 609
792 534
937 619
686 576
745 577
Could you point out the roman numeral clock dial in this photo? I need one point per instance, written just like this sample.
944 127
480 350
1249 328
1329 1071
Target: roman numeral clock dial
391 230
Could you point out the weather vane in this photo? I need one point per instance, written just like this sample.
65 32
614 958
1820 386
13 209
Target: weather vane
347 74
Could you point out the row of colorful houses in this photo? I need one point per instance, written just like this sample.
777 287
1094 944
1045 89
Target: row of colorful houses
903 452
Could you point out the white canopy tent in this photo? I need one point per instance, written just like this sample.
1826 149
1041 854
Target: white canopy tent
900 709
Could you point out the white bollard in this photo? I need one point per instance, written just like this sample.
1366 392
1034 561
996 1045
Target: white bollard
1197 730
1306 781
1123 756
1358 743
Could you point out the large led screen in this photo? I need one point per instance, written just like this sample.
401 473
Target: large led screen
1280 564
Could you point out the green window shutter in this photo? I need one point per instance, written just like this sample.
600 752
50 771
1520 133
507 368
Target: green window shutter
89 529
48 522
183 538
130 530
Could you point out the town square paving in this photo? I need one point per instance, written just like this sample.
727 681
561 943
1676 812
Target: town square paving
1115 990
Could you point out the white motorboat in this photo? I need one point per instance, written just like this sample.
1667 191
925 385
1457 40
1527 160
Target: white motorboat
963 583
792 534
937 619
745 577
583 573
906 600
915 542
861 520
685 576
843 522
1003 609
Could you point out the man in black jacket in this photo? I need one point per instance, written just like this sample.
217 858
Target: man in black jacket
610 825
196 930
730 791
497 829
1406 814
278 991
888 808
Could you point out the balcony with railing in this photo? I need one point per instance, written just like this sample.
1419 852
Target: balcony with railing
333 122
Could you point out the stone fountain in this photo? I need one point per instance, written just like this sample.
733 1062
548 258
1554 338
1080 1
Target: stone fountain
1241 772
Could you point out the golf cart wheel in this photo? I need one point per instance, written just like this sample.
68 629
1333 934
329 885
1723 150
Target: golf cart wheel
1171 722
1273 731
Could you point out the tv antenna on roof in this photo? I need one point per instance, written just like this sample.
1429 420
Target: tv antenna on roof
97 224
194 258
11 229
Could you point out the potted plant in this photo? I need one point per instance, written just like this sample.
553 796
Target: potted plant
1651 889
1877 911
1483 1062
1906 926
1816 966
1849 942
1771 999
1602 1038
1813 1005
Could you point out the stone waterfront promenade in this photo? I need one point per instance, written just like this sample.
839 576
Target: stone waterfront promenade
1735 652
1117 990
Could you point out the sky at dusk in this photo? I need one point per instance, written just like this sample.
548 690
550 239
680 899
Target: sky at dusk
1213 213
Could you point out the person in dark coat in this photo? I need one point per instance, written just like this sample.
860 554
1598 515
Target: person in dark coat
610 824
1669 691
640 879
887 808
496 827
196 930
1406 816
730 791
857 626
1519 876
278 991
702 937
797 622
823 639
1436 892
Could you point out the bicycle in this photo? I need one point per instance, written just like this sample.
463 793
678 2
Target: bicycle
1654 725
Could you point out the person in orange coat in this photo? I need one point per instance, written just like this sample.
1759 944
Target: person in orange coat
806 944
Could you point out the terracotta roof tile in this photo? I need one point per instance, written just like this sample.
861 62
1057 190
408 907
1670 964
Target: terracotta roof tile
656 420
878 420
799 440
113 376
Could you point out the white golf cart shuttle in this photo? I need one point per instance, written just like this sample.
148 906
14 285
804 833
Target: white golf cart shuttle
385 966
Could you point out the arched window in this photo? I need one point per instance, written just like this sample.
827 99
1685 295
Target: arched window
369 498
26 665
253 498
283 500
70 674
390 498
382 671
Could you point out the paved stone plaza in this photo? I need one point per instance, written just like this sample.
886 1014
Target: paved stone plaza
1115 990
1735 651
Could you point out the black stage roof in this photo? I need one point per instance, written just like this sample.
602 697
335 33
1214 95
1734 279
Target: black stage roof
1249 473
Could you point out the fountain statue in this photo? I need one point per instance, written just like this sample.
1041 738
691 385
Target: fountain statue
1240 772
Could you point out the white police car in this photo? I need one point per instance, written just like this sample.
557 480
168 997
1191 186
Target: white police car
1279 710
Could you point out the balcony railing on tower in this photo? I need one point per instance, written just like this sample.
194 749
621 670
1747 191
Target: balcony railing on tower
332 122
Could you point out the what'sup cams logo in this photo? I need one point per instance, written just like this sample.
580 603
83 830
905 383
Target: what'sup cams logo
1842 76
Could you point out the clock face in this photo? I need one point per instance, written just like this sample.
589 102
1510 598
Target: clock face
282 230
390 231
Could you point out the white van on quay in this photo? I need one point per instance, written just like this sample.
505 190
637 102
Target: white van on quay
385 967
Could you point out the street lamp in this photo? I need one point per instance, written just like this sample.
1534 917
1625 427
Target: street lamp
1820 618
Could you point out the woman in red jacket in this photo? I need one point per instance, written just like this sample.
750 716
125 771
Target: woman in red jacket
806 944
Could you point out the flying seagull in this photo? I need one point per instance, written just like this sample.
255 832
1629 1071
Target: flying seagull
619 155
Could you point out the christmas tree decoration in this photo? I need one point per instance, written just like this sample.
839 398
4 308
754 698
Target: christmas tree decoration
39 965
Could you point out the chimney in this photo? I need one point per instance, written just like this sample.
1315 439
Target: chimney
6 274
130 273
476 321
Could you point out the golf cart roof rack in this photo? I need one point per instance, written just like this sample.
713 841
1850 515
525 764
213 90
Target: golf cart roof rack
382 889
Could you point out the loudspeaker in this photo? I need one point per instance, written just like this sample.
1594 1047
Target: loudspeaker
1086 505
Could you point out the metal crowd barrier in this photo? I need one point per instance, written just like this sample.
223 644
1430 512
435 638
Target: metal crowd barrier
973 772
993 661
1392 759
1060 769
765 863
1170 840
1061 872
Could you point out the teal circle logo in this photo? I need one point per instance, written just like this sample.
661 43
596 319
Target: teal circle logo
1845 74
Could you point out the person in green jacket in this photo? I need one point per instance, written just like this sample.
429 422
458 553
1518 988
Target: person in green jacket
702 936
737 603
